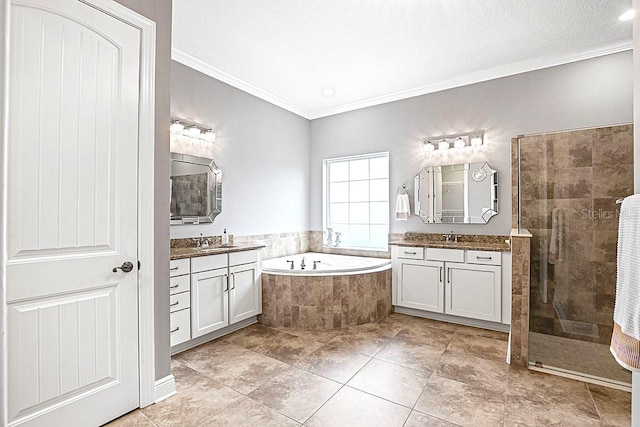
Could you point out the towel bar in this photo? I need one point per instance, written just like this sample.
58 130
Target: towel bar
620 200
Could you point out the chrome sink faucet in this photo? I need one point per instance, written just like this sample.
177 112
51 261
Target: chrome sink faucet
201 242
451 238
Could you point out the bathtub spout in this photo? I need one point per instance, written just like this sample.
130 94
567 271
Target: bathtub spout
292 267
315 264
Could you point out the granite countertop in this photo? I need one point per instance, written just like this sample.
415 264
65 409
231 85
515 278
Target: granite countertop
181 253
467 241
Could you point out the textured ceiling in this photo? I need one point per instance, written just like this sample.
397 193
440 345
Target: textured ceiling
375 51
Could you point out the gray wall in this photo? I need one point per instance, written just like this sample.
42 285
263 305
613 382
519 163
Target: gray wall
589 93
263 152
159 11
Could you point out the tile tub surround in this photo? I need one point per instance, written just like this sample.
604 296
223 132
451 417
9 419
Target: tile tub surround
325 302
467 241
399 371
316 244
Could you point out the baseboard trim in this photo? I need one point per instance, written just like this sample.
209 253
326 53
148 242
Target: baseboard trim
494 326
165 387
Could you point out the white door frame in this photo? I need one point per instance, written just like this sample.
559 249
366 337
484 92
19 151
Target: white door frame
146 143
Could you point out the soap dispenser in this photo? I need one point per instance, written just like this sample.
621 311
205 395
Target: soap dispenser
225 238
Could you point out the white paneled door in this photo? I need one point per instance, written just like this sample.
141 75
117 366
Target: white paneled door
72 215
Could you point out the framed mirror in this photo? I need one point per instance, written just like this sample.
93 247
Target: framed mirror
196 189
465 193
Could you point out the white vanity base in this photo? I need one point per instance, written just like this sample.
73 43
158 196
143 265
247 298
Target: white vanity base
476 323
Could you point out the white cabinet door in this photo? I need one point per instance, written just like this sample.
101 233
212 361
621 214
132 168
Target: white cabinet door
209 301
474 291
421 285
245 293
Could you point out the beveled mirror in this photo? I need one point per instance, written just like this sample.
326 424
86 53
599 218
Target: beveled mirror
465 193
196 190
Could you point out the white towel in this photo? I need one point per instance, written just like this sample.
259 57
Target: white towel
403 209
625 342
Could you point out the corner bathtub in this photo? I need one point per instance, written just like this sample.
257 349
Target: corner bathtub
342 291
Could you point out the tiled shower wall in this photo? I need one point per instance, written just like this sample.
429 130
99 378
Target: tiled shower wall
569 185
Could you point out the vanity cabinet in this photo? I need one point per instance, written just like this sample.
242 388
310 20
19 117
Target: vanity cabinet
180 301
225 289
473 291
209 298
453 282
421 285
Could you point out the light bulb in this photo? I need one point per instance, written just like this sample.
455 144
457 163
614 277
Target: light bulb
176 127
428 146
459 143
209 135
443 145
193 131
628 15
476 141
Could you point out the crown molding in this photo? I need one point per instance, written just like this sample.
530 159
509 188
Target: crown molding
228 78
481 76
468 79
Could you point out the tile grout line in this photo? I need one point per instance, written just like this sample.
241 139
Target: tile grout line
594 403
149 419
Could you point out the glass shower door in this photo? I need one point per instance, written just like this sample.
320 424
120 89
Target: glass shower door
569 183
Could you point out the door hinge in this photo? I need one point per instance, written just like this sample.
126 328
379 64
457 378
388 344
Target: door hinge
138 265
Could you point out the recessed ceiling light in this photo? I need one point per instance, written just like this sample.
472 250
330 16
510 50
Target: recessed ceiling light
327 91
628 15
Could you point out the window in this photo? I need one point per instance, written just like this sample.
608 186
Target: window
356 194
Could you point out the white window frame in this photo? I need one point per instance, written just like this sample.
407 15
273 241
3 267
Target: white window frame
326 196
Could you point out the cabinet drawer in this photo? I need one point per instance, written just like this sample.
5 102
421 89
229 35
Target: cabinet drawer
244 257
179 301
178 267
179 284
180 326
406 252
484 257
441 254
210 262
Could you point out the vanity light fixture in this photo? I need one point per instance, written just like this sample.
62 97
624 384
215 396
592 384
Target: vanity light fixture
462 142
192 131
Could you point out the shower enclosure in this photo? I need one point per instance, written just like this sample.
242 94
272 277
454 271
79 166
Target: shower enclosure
568 184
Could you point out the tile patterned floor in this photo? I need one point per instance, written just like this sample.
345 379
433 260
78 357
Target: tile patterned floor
402 371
